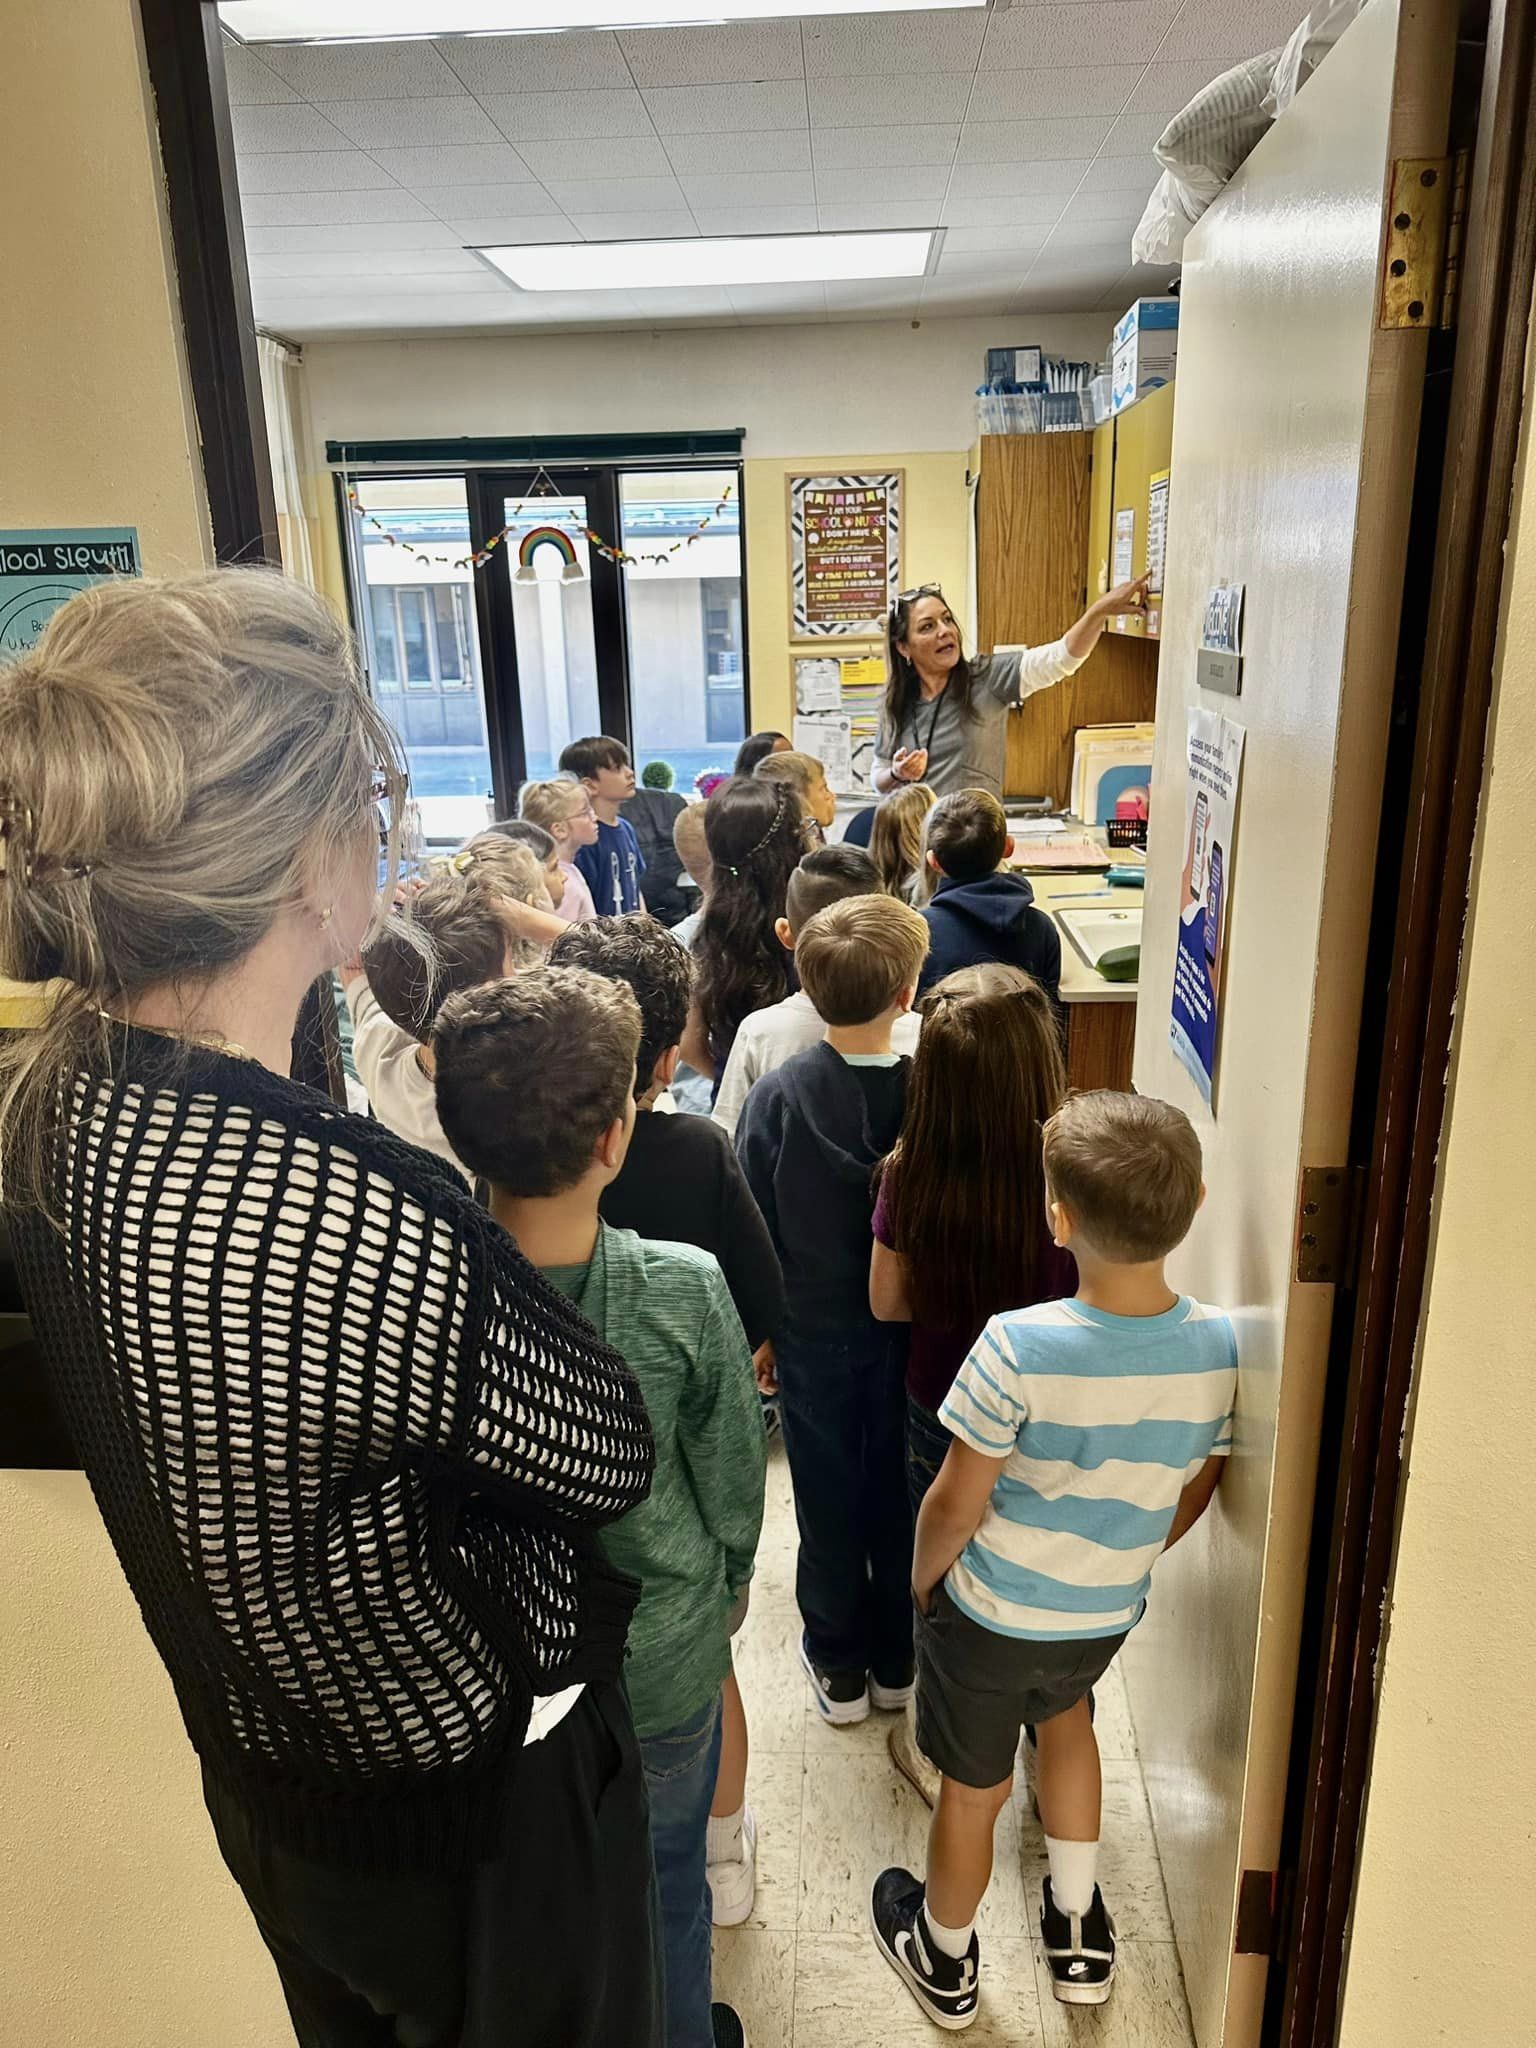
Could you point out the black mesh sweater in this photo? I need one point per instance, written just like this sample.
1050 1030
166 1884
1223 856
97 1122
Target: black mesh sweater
351 1451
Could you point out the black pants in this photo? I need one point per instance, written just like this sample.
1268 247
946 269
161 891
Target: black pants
550 1944
928 1443
842 1405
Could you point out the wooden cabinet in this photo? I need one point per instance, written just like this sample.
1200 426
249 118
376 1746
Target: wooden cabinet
1143 449
1037 498
1101 509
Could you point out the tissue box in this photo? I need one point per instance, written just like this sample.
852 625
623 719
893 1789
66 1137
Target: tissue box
1013 366
1146 345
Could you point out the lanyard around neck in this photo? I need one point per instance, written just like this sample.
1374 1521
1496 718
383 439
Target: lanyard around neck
933 723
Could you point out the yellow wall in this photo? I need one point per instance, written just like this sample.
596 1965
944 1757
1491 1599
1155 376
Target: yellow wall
934 523
120 1926
1439 1947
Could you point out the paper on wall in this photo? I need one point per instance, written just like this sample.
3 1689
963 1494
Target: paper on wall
818 684
829 736
1214 767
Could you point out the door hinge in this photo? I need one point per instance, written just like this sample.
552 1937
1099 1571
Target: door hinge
1327 1223
1421 253
1263 1912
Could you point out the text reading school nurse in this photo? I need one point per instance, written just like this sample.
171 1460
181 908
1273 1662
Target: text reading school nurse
943 720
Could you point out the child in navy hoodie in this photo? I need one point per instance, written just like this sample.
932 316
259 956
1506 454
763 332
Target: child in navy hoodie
978 914
810 1137
613 865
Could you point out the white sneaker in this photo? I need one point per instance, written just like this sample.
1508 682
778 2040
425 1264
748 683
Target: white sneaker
923 1776
733 1885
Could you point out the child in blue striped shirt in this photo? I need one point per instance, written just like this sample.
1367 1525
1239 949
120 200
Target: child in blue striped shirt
1088 1437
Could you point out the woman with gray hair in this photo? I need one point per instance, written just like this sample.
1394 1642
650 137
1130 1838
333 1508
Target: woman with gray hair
351 1451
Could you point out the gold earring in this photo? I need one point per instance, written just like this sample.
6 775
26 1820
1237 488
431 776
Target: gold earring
326 915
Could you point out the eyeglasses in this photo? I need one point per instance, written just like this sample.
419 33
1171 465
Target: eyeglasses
920 590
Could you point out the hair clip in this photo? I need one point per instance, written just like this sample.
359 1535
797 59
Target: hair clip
462 862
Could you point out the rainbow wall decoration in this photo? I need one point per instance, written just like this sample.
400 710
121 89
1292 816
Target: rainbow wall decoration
546 537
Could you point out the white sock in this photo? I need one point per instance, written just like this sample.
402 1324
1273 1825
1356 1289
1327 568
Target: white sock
723 1837
954 1942
1074 1872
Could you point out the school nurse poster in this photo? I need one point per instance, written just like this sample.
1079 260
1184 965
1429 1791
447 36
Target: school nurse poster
1215 763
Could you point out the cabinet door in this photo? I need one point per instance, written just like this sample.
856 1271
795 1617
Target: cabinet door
1143 447
1101 509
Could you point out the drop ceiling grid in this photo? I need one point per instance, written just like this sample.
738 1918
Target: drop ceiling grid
1026 134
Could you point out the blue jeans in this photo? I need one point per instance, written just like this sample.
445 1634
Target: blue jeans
841 1400
680 1769
928 1443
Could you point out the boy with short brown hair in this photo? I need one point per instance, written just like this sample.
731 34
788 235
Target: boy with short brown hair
1030 1570
613 864
810 1137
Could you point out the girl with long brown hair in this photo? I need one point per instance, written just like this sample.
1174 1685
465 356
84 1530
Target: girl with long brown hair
960 1226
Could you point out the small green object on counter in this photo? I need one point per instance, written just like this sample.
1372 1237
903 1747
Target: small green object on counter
1127 878
1120 963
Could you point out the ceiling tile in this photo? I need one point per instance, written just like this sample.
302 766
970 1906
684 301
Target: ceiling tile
319 209
873 297
312 170
681 302
999 142
552 116
1091 234
1168 88
968 294
1071 294
405 285
598 156
766 149
1116 206
500 64
853 103
508 228
1035 38
1221 33
362 71
849 148
1074 89
878 213
488 202
896 181
808 299
707 109
358 235
363 263
755 220
249 82
865 46
983 181
269 130
613 226
1134 135
482 202
1122 173
971 240
413 124
463 163
1013 209
752 188
718 54
618 195
990 262
1144 281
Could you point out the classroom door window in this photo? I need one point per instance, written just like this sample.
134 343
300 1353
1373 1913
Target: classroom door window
686 667
420 643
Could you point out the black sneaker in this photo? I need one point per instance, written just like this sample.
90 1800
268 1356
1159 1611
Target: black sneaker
728 2030
842 1697
1080 1948
945 1989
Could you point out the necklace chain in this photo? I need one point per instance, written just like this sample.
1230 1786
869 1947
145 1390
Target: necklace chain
210 1041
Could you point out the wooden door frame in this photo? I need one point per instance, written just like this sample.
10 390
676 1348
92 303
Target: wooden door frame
1423 886
184 49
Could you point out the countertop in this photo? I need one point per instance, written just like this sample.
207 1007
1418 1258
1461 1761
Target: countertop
1054 891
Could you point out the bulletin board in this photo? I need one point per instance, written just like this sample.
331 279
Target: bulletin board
844 554
837 716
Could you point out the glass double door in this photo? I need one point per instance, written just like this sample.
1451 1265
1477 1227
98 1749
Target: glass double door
504 614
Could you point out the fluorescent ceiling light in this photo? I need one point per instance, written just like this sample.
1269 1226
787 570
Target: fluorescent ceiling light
710 260
327 21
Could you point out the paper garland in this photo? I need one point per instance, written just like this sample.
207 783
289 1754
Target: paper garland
480 556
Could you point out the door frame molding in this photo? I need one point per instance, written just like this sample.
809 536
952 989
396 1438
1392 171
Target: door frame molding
1423 889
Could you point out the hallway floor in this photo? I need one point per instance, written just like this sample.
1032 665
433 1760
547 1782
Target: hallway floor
832 1811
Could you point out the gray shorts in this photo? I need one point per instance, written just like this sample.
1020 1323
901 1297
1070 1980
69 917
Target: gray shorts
976 1689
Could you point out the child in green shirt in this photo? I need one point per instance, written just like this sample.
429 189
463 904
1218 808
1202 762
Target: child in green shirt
547 1155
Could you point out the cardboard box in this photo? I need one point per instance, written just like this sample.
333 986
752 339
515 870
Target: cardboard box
1146 347
1021 366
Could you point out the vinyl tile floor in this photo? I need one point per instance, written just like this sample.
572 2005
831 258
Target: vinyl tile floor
832 1812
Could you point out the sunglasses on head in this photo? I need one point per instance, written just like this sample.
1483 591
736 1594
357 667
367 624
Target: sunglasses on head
921 590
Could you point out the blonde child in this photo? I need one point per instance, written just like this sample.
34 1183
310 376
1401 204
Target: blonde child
806 776
896 844
564 810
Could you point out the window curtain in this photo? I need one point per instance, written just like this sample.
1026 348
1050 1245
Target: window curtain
282 397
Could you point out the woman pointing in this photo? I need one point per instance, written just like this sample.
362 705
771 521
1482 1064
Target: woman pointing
944 717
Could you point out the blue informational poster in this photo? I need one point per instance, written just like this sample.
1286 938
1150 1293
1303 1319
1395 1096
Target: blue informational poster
1210 825
38 571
